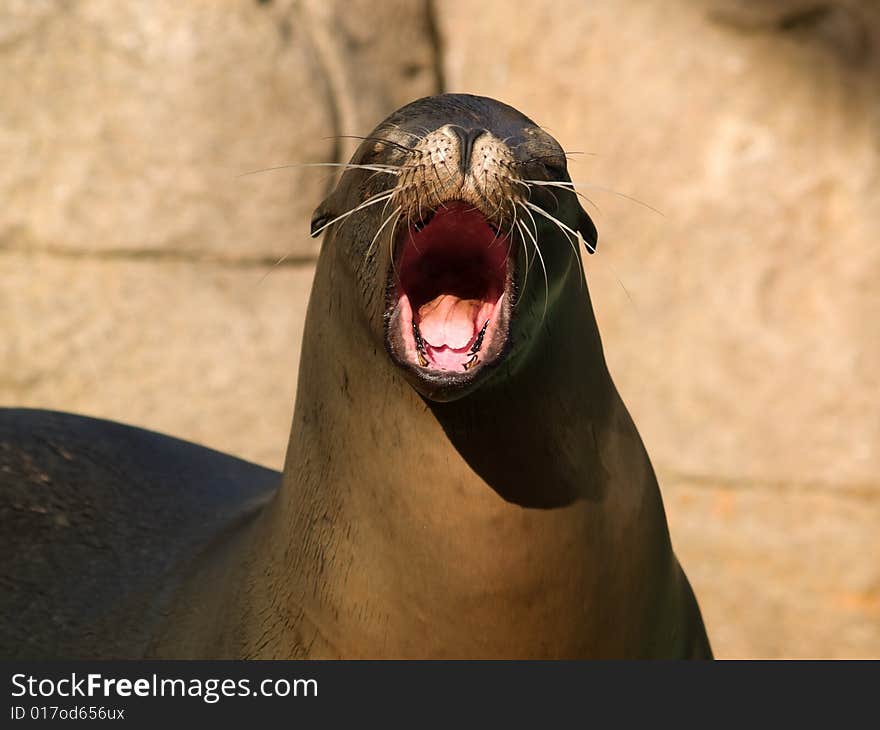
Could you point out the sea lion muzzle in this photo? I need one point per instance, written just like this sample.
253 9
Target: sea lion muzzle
481 222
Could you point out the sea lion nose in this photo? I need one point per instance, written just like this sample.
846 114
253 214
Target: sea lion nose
466 139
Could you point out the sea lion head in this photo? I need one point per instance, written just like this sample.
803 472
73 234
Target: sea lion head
459 224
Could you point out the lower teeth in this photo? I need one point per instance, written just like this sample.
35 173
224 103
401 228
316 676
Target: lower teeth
475 348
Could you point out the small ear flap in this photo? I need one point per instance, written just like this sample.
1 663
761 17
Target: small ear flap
588 230
320 218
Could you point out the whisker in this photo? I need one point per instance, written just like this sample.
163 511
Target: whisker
562 186
378 198
510 244
561 226
389 169
272 268
564 153
393 215
551 183
365 204
565 230
442 184
517 181
373 177
525 228
498 206
529 259
391 248
497 215
569 186
534 226
607 190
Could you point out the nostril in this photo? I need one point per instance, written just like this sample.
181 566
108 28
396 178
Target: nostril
466 140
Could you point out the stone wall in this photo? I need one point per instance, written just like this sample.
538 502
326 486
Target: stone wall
730 148
137 261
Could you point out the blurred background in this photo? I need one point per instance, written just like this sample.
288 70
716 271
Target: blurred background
741 322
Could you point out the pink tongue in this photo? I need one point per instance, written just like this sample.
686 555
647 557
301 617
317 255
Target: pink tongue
449 321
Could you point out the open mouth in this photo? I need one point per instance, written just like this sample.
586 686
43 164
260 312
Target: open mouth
450 306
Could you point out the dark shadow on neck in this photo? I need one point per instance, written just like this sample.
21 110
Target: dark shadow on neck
533 456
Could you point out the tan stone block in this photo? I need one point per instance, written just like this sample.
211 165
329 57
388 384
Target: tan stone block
127 125
204 352
781 572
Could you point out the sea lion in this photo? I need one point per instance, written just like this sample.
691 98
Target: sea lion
462 478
